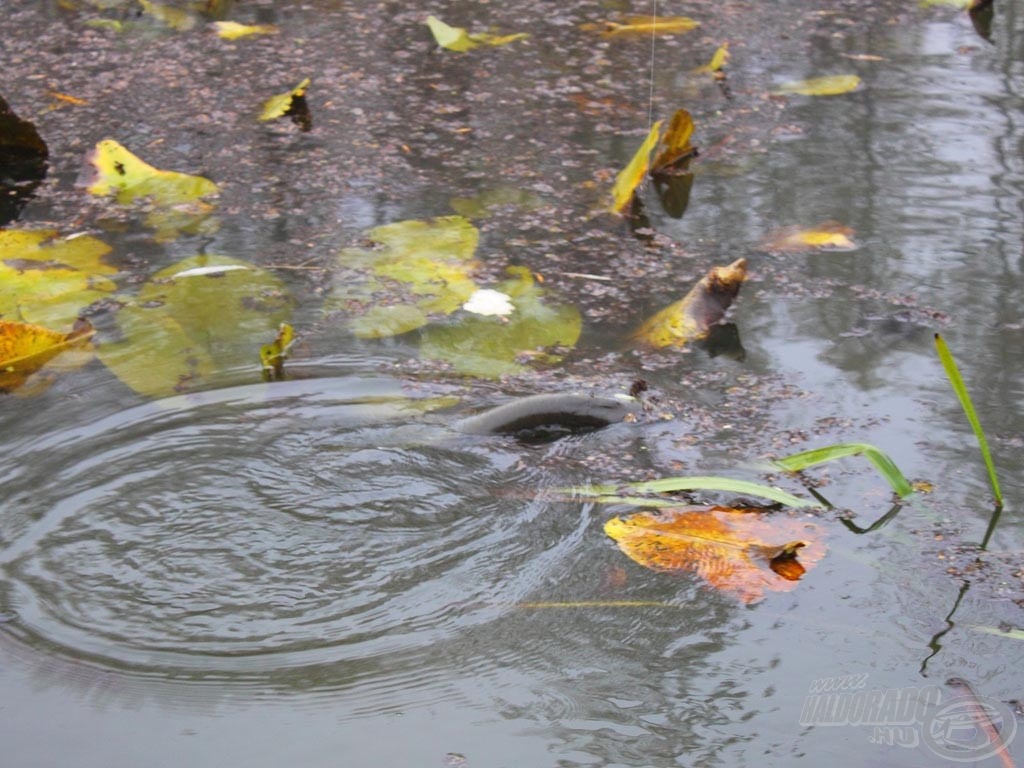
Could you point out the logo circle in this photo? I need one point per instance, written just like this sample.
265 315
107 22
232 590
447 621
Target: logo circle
961 729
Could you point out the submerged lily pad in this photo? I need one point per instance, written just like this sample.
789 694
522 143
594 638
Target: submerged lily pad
202 316
491 347
420 269
49 280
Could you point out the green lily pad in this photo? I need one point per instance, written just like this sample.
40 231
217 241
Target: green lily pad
481 206
491 347
421 269
201 317
48 280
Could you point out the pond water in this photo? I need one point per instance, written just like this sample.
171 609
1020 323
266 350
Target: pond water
322 571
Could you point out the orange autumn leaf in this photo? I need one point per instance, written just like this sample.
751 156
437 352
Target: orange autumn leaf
828 236
691 318
25 348
741 552
675 144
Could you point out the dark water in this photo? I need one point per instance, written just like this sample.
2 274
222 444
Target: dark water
322 572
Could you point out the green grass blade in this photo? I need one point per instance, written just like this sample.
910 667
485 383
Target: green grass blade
609 493
885 466
957 382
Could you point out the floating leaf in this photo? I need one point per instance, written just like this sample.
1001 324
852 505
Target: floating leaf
232 30
481 206
633 174
728 548
609 494
718 60
25 349
831 85
492 347
828 236
881 461
189 323
116 170
291 104
49 280
175 18
422 268
675 144
458 39
645 25
691 318
273 355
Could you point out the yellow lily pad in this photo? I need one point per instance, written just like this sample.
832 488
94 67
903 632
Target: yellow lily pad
49 280
630 177
831 85
420 269
118 171
495 346
196 319
459 39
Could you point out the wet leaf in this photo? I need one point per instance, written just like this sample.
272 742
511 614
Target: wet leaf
690 318
633 174
491 347
740 552
645 25
675 144
291 104
419 270
481 206
49 280
829 236
232 30
458 39
25 349
831 85
273 355
118 171
718 60
190 323
175 18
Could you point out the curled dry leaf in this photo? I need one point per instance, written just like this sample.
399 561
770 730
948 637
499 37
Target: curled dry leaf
736 551
290 104
828 236
25 348
691 318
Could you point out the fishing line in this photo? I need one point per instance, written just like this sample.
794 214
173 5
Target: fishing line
650 100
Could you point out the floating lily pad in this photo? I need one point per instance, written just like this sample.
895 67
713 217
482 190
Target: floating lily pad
49 280
491 347
420 269
205 315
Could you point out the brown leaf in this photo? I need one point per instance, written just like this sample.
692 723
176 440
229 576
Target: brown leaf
726 547
691 318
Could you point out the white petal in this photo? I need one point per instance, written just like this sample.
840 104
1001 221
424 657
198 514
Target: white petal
489 302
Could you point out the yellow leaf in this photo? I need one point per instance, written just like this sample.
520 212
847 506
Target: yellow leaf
629 178
717 61
645 25
273 355
119 171
828 236
691 318
831 85
176 19
232 30
458 39
49 280
24 349
675 144
283 103
728 548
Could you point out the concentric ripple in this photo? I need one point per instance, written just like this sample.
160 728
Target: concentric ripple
258 529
